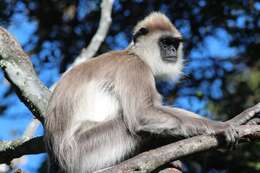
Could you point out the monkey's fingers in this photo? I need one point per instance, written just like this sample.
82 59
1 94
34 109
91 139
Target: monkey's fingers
229 137
232 138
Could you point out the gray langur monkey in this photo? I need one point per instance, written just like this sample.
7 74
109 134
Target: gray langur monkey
107 109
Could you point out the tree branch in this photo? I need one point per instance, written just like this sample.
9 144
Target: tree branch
246 115
98 38
14 149
149 161
19 72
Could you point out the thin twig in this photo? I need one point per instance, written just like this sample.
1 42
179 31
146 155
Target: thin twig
100 35
97 39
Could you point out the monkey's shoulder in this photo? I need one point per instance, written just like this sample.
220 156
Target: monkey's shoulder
123 56
106 65
112 62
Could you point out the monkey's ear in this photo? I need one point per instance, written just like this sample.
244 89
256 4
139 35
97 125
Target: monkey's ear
142 31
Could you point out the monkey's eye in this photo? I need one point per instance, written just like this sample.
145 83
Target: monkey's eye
140 32
170 41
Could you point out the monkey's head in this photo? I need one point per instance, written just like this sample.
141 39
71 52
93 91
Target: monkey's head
159 44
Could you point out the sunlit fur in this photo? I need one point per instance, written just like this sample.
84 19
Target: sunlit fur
89 100
99 108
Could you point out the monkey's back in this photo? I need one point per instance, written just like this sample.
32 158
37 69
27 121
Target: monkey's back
77 129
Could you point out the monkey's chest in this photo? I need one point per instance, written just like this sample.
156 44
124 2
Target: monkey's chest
97 104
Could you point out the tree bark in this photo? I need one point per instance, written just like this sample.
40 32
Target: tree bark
20 73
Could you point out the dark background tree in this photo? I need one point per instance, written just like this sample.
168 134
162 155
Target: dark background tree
222 50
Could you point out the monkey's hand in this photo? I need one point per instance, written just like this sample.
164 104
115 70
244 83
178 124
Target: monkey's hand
229 135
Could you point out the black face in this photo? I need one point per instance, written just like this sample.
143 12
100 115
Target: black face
168 48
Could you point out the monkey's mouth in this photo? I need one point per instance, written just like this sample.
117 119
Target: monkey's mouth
170 59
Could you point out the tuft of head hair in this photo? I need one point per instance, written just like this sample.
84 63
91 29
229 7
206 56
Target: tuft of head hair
157 21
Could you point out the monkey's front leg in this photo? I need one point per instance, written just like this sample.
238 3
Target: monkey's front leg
250 116
164 121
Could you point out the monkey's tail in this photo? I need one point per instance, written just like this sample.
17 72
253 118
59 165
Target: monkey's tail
63 152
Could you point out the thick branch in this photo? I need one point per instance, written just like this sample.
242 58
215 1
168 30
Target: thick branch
149 161
14 149
20 73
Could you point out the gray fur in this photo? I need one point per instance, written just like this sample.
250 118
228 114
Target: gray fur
102 110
